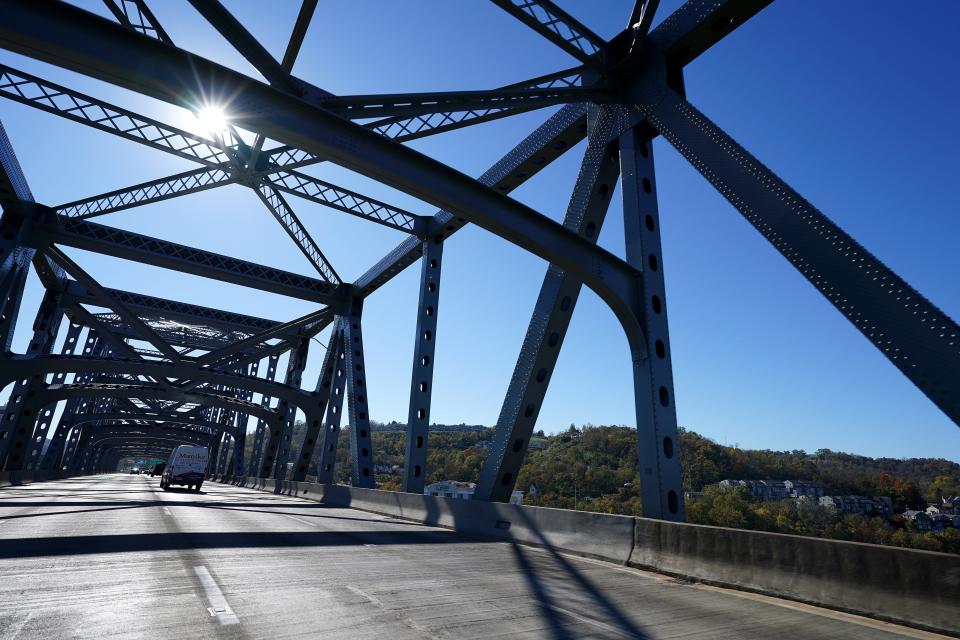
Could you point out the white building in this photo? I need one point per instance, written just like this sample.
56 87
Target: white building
461 490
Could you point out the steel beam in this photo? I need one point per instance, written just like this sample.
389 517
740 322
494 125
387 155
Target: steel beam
168 255
557 26
917 337
325 386
658 443
361 440
23 417
145 306
419 104
278 206
355 204
327 461
551 316
256 456
421 379
699 24
61 34
278 440
136 15
59 100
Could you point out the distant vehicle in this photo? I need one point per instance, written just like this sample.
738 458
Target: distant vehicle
135 471
158 469
186 467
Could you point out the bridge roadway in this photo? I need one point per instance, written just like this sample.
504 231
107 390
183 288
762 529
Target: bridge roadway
116 557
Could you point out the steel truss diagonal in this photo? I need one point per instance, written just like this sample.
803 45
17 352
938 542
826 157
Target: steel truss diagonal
556 25
152 373
551 317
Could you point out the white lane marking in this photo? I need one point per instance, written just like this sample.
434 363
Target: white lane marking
307 522
364 594
166 510
218 604
596 623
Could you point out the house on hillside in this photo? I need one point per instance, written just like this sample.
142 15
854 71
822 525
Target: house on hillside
920 520
880 506
461 491
776 489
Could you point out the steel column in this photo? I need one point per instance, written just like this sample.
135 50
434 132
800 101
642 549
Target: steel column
325 386
327 462
361 441
658 444
421 380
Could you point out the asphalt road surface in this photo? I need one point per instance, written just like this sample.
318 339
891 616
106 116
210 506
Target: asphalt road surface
116 557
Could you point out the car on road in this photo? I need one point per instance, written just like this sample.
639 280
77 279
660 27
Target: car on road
134 471
186 467
157 469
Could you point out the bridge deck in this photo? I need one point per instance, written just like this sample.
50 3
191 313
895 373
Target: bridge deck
114 556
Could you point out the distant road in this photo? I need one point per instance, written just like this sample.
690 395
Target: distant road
115 557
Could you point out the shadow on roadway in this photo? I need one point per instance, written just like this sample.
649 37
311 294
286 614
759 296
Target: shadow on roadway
123 543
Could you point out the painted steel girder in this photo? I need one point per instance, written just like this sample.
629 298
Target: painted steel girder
13 184
658 442
361 440
327 460
145 332
17 444
421 377
61 34
193 181
257 452
557 26
55 393
417 104
278 206
152 307
325 193
251 49
288 158
559 133
136 15
325 387
120 419
23 366
699 24
59 100
585 214
175 333
169 255
917 337
278 443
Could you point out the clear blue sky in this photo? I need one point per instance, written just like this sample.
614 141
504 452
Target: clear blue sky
851 106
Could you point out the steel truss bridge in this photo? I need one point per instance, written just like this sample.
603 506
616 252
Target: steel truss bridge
150 373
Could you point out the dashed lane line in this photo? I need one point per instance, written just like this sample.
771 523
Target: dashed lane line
219 608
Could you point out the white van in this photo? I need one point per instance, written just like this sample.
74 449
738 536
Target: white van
187 467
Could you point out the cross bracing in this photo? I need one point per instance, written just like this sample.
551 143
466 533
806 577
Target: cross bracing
153 371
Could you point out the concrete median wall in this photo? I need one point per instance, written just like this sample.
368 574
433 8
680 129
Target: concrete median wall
14 478
917 588
920 588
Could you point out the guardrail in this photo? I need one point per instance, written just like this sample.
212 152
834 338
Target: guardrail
906 586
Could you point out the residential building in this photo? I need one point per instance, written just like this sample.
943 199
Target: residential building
880 506
920 520
461 491
776 489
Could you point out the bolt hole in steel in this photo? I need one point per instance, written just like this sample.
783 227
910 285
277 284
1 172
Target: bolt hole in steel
648 221
668 447
664 396
656 304
673 503
660 349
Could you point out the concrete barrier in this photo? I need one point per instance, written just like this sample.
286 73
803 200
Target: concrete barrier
919 588
15 478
